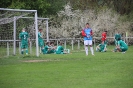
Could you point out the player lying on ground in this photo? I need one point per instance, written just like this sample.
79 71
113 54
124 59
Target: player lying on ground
121 46
101 47
48 49
24 37
61 50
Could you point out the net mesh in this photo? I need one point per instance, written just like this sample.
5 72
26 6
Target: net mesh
7 19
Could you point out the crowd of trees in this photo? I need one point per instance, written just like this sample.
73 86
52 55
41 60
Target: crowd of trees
51 7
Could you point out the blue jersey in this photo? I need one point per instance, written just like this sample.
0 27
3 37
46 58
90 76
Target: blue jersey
88 33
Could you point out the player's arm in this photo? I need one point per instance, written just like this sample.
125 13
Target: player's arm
91 33
20 36
83 33
98 46
118 46
28 38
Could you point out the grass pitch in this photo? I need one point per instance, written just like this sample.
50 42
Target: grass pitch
75 70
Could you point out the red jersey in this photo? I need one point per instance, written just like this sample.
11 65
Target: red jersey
104 36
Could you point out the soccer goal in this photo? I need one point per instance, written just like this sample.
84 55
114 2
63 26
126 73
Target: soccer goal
12 21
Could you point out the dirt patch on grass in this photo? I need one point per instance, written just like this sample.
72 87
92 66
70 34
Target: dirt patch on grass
38 60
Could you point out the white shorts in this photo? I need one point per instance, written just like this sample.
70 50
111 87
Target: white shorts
87 42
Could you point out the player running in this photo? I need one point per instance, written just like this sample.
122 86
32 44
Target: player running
122 46
87 34
24 37
40 40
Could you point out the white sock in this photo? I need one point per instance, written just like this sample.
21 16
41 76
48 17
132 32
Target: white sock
86 50
92 51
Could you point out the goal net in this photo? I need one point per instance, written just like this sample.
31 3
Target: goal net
12 21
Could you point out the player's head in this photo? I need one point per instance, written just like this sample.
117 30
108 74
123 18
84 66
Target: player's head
118 32
40 30
23 30
87 25
105 31
51 43
61 43
102 42
47 43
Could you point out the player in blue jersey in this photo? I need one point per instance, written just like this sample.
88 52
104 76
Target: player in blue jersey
87 34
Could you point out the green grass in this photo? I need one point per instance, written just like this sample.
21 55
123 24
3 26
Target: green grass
75 70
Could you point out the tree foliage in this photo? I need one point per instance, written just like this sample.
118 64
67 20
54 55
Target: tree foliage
44 7
51 7
121 6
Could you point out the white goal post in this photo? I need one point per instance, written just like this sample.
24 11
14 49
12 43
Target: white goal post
14 28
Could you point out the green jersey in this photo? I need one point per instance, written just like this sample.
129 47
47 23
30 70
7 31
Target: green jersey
40 40
123 45
102 46
40 36
117 36
24 39
46 49
59 50
24 36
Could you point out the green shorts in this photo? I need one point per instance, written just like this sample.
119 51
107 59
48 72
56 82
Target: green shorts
24 45
41 43
123 49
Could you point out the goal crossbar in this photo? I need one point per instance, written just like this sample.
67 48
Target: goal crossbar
18 10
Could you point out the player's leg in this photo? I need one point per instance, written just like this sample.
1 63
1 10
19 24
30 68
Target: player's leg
22 48
123 49
41 45
86 42
66 51
91 48
97 48
115 42
26 48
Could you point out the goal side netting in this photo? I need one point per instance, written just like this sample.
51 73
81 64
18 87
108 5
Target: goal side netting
12 21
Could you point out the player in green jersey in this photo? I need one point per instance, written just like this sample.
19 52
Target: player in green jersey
59 49
116 37
122 46
40 40
24 37
48 49
101 47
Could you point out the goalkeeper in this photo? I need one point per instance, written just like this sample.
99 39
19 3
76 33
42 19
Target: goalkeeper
24 37
40 41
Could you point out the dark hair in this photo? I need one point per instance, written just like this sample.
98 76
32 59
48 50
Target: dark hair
40 29
105 31
87 23
119 38
51 42
47 43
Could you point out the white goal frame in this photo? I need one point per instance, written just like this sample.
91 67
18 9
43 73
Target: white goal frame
14 34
